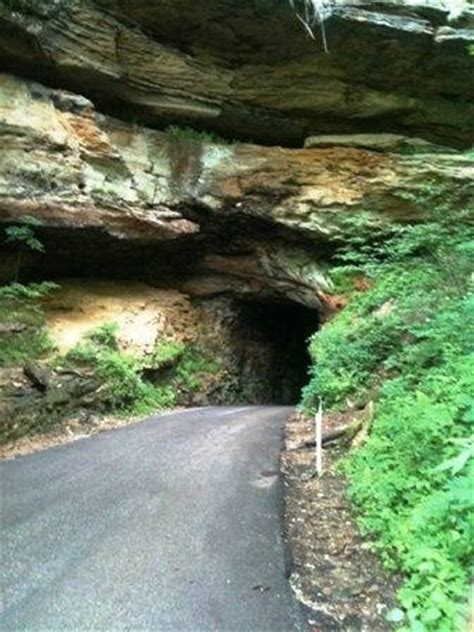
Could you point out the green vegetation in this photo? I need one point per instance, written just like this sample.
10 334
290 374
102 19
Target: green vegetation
193 368
177 368
94 376
23 334
23 238
176 132
406 343
167 353
125 389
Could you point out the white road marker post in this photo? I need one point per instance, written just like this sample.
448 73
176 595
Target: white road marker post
319 438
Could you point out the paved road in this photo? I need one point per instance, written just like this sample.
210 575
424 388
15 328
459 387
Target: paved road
170 524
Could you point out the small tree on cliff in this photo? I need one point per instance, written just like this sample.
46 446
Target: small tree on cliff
23 238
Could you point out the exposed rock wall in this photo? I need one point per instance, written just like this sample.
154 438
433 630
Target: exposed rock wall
232 352
259 348
208 217
144 315
240 234
248 69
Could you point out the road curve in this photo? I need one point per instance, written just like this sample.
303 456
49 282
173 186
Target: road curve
170 524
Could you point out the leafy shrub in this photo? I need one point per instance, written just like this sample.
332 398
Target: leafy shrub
167 353
24 335
366 342
420 510
83 353
193 367
23 238
94 343
406 341
23 235
126 389
104 336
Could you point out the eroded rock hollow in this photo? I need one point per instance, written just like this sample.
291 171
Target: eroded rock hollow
242 234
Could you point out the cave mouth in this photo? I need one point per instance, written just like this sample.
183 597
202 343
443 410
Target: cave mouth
256 332
275 349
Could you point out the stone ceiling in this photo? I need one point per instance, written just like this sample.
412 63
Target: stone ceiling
248 70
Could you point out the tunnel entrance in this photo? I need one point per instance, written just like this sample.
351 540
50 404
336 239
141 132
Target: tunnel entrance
264 346
283 327
240 315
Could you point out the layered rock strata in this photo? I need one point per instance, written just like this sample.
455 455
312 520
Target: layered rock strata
249 70
209 217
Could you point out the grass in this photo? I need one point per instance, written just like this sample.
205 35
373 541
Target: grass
177 132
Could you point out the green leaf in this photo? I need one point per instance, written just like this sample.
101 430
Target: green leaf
432 614
396 615
457 463
468 416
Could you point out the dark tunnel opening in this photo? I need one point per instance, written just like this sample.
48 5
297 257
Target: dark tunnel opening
264 335
281 330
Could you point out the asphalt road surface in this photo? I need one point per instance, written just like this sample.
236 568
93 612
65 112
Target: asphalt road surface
173 523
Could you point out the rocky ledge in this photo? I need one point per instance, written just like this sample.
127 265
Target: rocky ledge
249 70
208 216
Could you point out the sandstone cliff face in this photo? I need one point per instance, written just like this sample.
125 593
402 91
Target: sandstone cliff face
226 351
248 70
338 147
257 219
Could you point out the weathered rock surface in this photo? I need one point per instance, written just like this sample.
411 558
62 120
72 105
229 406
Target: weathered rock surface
27 409
60 165
233 351
209 216
393 143
249 70
143 314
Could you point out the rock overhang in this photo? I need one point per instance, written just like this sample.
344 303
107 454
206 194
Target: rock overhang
121 199
249 71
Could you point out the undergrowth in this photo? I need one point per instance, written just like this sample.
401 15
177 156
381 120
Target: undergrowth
126 389
23 333
406 344
193 368
178 132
